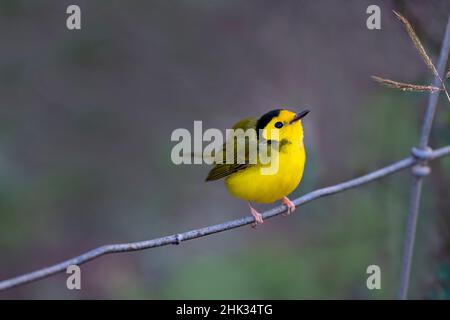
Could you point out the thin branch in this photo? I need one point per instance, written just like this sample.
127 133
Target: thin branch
416 186
193 234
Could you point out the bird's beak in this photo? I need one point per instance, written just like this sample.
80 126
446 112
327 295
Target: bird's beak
299 115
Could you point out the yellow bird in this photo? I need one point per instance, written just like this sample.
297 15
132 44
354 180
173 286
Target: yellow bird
282 131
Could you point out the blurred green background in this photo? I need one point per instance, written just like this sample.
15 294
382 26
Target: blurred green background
85 124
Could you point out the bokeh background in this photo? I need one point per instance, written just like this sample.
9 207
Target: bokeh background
85 124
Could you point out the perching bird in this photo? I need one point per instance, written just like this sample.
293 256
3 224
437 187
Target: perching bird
281 130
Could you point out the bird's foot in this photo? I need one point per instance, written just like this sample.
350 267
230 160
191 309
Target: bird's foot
290 206
257 215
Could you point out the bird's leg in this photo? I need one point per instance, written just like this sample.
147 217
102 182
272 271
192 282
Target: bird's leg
257 215
289 204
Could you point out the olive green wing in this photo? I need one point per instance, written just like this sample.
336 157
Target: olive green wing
248 123
223 169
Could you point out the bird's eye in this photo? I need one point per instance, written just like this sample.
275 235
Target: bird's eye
279 124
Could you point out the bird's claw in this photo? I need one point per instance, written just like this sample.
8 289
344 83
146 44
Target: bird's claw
258 217
290 206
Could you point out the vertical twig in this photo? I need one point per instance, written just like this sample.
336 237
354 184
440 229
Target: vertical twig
418 172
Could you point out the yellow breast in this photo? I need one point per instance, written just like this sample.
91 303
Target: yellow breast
252 185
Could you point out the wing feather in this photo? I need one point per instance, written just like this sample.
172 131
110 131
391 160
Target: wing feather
222 170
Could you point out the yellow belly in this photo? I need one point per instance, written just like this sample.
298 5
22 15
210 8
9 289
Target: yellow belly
251 185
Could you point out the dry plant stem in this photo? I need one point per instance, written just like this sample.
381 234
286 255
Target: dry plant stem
405 86
193 234
418 44
416 187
